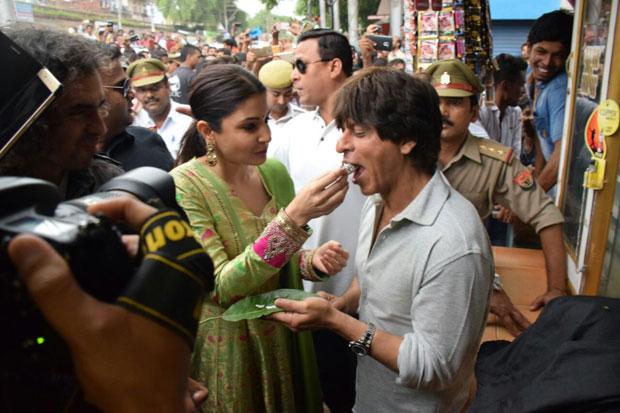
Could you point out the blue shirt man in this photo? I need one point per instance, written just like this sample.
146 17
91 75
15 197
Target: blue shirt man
550 40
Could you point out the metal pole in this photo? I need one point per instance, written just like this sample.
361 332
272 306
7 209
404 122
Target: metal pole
336 15
322 13
396 17
7 13
353 16
151 7
309 10
120 16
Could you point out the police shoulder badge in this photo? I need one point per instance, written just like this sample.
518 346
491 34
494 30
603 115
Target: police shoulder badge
525 180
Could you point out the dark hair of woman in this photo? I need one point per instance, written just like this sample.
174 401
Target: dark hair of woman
215 94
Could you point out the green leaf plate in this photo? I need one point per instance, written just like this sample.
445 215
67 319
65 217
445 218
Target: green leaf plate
263 304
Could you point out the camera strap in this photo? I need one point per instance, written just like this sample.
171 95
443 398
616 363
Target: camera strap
173 277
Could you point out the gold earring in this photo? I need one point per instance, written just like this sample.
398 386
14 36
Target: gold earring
211 156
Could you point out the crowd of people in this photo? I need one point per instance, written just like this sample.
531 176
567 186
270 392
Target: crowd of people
397 250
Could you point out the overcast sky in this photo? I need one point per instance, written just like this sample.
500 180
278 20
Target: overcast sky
251 7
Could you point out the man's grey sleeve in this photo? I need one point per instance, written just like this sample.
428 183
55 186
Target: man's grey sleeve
448 313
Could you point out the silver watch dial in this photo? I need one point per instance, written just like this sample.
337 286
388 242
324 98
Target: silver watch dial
359 349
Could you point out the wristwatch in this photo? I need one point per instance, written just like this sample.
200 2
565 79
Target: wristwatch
361 347
498 285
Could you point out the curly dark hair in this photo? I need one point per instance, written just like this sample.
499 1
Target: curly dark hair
69 58
110 53
400 107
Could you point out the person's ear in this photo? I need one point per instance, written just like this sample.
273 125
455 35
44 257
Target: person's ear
335 68
407 147
205 130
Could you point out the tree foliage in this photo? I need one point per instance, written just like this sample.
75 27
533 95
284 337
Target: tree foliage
211 13
366 8
265 19
269 4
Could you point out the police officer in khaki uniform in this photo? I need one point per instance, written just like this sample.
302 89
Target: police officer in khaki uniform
488 173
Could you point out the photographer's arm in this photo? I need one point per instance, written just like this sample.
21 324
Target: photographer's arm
367 48
125 362
245 36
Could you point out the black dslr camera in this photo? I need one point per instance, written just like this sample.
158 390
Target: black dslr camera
90 244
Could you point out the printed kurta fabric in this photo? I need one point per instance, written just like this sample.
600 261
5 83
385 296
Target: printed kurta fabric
246 365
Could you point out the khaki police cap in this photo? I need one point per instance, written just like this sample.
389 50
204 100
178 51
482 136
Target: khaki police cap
452 78
146 72
276 74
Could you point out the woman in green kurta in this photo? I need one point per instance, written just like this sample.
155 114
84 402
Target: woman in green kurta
235 203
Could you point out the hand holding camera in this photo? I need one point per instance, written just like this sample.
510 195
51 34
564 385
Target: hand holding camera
381 42
367 48
373 29
88 288
119 356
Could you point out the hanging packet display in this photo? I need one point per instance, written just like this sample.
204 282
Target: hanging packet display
446 50
446 23
428 51
428 24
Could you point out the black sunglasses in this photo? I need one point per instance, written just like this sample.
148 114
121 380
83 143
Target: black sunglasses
302 66
123 87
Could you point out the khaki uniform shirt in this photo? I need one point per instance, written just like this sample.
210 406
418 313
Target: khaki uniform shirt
487 173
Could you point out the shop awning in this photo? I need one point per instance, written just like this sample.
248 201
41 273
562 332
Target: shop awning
526 9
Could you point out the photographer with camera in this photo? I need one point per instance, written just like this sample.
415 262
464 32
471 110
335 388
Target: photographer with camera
124 361
374 46
39 374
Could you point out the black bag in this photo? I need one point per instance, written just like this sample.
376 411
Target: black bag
567 361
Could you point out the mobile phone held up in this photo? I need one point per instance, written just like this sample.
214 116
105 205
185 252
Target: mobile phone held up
381 42
255 32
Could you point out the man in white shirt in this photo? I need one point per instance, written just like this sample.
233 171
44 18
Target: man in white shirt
396 53
88 32
276 76
158 111
323 62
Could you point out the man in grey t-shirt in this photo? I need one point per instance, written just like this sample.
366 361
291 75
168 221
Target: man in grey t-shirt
181 79
424 262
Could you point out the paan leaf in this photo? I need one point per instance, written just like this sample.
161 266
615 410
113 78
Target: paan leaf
262 304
